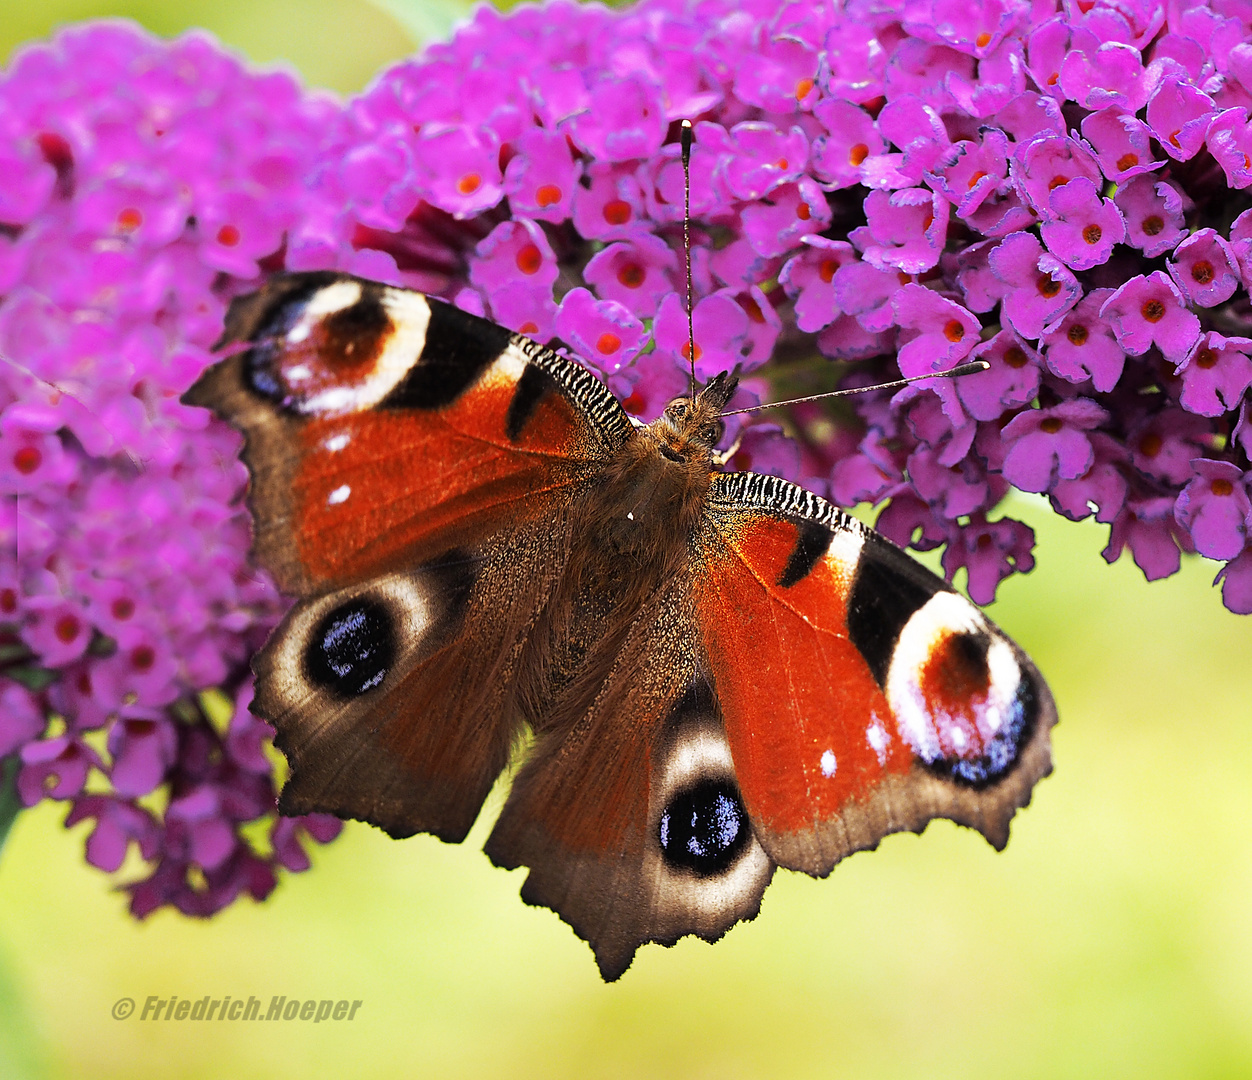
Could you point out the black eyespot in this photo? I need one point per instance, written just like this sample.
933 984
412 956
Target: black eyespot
352 648
705 828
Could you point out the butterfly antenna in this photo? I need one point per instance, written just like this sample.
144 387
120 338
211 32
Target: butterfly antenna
685 139
964 369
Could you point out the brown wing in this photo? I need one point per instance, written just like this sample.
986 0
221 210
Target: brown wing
629 816
412 467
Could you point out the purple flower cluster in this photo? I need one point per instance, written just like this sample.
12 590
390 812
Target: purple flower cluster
1058 189
1062 190
141 180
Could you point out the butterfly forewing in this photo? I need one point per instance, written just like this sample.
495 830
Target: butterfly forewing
876 698
384 428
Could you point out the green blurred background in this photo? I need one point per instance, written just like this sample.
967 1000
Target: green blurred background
1113 938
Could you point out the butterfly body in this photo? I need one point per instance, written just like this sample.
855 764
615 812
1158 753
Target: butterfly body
718 673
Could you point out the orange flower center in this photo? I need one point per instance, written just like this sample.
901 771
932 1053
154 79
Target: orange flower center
27 460
617 212
632 275
528 259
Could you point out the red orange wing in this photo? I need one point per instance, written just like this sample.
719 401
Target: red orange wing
860 694
384 428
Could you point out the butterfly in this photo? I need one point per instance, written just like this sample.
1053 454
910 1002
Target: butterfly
706 674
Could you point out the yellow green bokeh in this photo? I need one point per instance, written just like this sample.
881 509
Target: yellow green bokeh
1113 938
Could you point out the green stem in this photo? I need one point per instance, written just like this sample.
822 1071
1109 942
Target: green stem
9 802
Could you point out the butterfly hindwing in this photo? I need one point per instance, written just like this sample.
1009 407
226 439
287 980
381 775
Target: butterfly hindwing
384 427
628 814
877 698
395 700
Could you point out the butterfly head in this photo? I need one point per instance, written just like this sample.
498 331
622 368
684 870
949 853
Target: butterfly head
690 430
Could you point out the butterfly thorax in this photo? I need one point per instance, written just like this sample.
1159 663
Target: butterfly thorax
653 495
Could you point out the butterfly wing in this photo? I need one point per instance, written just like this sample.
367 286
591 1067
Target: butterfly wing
628 813
411 466
384 427
875 698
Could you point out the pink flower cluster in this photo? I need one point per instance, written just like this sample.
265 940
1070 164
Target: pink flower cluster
1058 189
142 180
1061 189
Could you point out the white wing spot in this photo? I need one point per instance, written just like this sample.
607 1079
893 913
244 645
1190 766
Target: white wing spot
877 737
958 737
630 515
340 494
336 443
828 763
298 373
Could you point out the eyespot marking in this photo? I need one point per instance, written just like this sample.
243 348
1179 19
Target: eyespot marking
963 700
704 828
352 648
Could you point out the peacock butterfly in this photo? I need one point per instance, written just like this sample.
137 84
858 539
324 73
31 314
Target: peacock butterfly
719 673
